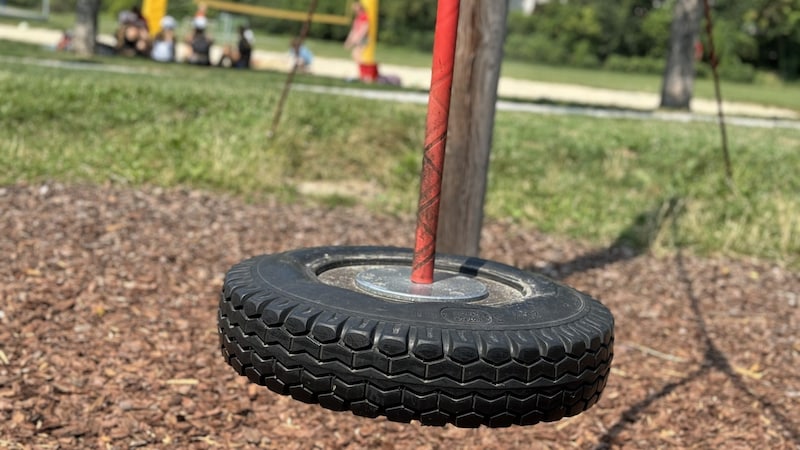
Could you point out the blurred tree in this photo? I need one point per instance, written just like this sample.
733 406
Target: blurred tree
408 23
776 24
86 12
655 27
678 83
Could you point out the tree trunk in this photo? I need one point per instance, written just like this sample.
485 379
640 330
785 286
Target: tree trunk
479 52
676 90
86 27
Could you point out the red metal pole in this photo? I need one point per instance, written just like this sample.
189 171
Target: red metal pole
444 49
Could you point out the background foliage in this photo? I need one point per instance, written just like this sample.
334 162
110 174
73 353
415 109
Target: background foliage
625 35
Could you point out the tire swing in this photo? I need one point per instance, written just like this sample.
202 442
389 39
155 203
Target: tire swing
411 335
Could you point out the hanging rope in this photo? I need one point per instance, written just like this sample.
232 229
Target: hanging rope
714 61
287 86
444 48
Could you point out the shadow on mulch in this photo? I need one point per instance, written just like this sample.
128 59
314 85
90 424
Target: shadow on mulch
633 242
714 359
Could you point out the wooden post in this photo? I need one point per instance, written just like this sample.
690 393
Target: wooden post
479 52
86 27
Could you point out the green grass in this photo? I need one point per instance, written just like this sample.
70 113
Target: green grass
593 179
589 178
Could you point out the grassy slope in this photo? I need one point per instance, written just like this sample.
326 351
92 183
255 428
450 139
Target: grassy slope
590 178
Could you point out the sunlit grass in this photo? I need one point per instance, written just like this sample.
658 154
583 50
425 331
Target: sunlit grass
650 184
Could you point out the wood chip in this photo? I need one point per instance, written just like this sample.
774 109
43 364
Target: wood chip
655 353
183 381
752 372
110 351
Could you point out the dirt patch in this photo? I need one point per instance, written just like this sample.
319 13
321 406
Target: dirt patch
108 336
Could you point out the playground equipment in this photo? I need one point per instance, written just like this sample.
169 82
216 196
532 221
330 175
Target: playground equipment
412 335
154 11
275 13
368 66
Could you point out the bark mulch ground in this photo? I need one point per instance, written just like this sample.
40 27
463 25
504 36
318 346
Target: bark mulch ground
108 337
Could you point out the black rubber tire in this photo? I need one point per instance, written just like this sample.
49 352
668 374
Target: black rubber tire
539 359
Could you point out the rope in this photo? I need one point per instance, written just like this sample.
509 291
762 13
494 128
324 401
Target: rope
444 47
714 63
301 37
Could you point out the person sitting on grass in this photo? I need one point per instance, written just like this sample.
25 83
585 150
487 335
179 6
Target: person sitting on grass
164 44
301 56
199 43
239 58
65 43
133 36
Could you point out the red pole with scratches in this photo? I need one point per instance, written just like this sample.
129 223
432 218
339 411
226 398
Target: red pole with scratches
444 49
